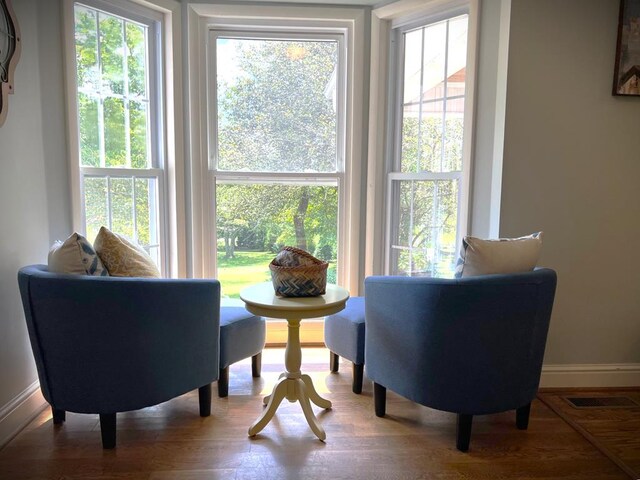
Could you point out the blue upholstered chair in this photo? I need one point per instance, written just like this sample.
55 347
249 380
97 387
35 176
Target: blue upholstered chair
111 344
344 337
471 346
242 335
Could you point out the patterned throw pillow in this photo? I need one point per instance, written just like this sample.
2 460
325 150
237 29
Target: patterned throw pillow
504 255
123 258
76 256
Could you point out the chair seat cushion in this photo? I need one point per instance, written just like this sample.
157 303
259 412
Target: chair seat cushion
344 331
242 335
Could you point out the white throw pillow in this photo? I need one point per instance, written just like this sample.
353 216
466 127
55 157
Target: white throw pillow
76 256
504 255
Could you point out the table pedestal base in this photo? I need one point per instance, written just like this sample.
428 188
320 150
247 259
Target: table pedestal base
294 388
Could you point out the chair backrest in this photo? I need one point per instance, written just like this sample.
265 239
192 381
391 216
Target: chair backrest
112 344
472 345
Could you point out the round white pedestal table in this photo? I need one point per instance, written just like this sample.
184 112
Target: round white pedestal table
293 385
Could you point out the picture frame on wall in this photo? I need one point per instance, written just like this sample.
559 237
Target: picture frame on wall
10 46
626 78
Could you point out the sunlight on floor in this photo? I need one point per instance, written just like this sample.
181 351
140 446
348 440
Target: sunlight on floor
319 381
274 356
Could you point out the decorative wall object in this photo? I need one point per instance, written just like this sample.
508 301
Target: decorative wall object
626 79
10 46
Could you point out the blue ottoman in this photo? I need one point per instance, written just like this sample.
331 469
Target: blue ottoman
242 335
344 336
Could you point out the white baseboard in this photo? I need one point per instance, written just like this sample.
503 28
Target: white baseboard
15 415
591 375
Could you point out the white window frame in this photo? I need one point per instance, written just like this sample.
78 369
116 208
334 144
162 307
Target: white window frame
395 175
385 111
335 178
162 17
320 20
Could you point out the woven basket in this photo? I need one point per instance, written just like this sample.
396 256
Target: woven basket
300 281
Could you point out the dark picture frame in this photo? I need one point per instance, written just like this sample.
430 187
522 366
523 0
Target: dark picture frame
626 78
10 47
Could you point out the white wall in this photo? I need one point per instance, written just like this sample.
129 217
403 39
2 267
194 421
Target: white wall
34 200
572 169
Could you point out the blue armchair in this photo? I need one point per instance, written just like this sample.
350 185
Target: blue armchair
471 346
111 344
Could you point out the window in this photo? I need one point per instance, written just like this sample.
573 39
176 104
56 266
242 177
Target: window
277 141
119 122
425 190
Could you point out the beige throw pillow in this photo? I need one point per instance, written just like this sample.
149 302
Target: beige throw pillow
122 258
504 255
75 256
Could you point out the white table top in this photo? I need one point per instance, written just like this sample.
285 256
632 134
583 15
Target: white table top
261 299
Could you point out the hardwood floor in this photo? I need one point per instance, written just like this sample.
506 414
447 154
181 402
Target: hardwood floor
615 431
170 441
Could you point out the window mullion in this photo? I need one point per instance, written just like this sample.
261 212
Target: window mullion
395 163
153 151
410 232
101 134
435 100
125 80
275 176
435 230
133 208
154 192
420 106
444 100
122 172
425 176
434 227
119 96
109 210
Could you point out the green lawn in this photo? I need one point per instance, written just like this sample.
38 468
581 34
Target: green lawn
246 269
243 270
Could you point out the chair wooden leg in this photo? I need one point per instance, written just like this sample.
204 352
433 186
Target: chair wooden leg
108 430
223 382
358 371
59 416
256 365
204 399
463 435
522 416
380 399
334 362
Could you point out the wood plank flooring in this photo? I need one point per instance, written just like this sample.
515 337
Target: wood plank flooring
614 430
170 441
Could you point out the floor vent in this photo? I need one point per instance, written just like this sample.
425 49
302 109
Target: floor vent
601 402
